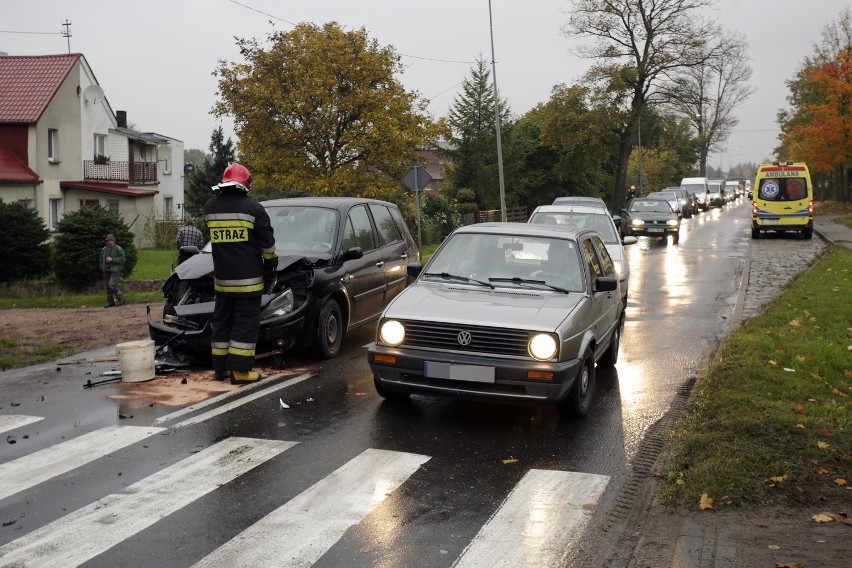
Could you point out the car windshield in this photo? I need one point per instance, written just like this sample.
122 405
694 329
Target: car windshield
302 229
499 258
598 222
650 206
695 188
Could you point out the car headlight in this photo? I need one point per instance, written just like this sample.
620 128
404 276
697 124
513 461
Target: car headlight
671 222
392 332
280 305
542 346
618 267
637 222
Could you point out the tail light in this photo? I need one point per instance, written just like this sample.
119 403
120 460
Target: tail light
754 208
810 207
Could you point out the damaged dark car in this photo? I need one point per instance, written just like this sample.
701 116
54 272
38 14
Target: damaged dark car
340 262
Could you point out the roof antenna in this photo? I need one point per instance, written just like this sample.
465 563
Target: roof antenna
67 33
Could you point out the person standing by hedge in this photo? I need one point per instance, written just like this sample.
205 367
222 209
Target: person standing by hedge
112 263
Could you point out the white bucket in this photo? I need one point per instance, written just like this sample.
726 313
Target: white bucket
136 359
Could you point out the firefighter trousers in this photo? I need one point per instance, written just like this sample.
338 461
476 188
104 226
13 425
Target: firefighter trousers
235 324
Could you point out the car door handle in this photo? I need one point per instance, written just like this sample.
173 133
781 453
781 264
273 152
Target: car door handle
380 264
403 255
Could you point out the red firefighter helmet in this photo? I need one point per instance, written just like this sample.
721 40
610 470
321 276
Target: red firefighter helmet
236 175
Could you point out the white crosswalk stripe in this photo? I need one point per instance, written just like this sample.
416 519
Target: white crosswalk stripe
117 517
13 421
302 530
537 521
28 471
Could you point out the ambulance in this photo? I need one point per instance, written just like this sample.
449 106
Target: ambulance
783 199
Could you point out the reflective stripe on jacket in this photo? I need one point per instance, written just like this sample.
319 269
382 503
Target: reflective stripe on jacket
243 243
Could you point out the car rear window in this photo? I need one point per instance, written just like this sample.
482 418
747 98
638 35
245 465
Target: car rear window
600 223
783 189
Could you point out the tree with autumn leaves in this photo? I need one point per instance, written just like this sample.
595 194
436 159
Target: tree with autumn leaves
320 110
818 128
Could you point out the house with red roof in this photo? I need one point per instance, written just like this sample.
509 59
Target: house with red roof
63 148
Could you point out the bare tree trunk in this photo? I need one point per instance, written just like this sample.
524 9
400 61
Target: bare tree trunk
624 148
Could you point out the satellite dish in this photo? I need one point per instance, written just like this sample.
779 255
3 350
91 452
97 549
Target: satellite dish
93 94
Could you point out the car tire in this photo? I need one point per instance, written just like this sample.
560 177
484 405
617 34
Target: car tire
755 233
610 356
808 233
675 237
388 394
579 398
329 330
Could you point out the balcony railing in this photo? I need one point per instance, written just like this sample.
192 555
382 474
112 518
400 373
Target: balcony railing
114 170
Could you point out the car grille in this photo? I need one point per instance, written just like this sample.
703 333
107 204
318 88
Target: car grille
494 340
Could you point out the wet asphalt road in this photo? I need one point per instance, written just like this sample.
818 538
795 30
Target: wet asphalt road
470 457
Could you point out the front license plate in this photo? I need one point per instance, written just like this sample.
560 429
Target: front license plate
472 373
656 230
771 221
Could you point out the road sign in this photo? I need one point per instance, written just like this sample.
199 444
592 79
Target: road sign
416 178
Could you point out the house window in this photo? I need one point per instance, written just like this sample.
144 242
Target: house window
100 145
52 145
167 167
57 210
168 203
89 203
112 205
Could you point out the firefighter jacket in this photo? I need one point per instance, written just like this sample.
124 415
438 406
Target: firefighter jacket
243 243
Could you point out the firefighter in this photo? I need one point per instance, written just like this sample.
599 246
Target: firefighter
244 265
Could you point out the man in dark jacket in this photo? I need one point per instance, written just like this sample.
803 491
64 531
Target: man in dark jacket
244 265
112 263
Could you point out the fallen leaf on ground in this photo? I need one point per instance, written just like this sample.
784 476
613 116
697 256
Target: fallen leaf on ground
822 445
819 470
706 502
773 547
840 481
779 478
510 460
823 518
771 362
847 373
799 425
800 408
825 431
795 323
796 565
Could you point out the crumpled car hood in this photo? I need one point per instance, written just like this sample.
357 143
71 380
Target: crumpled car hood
201 265
521 308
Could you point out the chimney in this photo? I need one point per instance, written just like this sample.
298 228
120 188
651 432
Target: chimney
121 118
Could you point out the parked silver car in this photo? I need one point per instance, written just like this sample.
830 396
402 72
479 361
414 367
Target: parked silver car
591 216
504 312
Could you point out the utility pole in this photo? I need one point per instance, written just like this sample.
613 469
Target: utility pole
497 121
67 32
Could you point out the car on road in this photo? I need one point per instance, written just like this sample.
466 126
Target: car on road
650 217
577 199
686 200
340 262
591 216
513 312
716 192
734 189
698 187
670 198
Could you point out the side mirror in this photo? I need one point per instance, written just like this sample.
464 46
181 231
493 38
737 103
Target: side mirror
414 270
630 240
606 283
352 254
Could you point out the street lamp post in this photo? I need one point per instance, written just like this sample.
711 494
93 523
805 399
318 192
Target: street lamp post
497 122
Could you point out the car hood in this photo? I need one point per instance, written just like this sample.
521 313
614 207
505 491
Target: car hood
652 216
201 265
522 308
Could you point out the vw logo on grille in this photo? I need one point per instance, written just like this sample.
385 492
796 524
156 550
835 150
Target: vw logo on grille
464 338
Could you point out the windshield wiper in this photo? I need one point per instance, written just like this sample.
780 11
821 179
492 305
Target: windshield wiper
448 276
525 281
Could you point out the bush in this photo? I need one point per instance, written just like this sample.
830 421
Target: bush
25 252
78 245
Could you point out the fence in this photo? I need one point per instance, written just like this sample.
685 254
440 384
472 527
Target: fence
513 214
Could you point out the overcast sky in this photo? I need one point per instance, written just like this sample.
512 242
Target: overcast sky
154 59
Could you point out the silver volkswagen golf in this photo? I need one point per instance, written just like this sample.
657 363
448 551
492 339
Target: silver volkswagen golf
506 312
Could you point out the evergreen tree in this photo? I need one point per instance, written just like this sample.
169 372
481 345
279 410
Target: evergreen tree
79 241
25 252
209 173
474 136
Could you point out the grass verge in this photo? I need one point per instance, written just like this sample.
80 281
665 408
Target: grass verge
79 301
13 359
770 421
